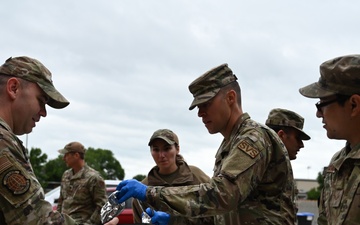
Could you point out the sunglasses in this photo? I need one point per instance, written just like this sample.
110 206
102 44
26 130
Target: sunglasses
319 105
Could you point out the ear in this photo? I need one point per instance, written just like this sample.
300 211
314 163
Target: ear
231 97
77 155
355 105
12 87
281 134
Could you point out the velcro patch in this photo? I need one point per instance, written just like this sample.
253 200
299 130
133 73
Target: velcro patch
248 149
16 182
4 164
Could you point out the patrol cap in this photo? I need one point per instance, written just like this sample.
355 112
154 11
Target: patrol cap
34 71
340 75
287 118
72 147
209 84
166 135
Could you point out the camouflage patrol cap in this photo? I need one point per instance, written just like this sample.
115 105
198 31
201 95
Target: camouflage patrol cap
72 147
340 75
34 71
209 84
287 118
166 135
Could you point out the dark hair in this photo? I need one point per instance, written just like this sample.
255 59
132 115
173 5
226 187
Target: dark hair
341 99
179 159
3 79
277 128
82 155
232 86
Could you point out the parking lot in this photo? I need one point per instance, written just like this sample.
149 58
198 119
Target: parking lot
309 206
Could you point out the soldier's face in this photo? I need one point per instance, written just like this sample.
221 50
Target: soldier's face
215 114
335 117
164 155
29 107
70 159
292 141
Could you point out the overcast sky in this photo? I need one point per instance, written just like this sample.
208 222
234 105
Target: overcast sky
125 67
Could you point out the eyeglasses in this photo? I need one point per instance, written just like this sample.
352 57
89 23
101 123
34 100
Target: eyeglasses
319 105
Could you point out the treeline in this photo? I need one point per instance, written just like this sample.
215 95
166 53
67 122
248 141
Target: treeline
50 171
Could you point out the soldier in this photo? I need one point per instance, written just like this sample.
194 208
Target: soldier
83 191
339 107
288 125
252 181
171 170
26 87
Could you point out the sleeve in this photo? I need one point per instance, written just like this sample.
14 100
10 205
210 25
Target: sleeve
137 212
99 198
22 197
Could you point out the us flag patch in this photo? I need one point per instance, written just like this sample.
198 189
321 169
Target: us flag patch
4 164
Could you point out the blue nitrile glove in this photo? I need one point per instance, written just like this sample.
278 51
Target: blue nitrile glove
131 188
158 217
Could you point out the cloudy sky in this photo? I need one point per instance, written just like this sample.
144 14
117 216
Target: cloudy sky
125 66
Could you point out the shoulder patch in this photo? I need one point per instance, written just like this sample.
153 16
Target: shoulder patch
16 182
248 149
4 164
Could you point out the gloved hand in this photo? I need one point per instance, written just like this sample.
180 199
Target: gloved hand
158 217
131 188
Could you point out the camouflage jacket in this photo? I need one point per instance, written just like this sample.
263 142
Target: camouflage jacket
185 175
252 182
340 197
82 195
21 195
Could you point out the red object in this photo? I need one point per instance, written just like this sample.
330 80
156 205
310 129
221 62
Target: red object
125 217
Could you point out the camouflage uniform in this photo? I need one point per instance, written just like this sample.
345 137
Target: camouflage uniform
21 195
253 179
340 197
82 195
280 119
185 175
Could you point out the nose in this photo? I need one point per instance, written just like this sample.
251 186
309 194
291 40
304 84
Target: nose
43 112
319 114
162 153
201 112
301 144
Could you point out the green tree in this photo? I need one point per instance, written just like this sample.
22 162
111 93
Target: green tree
51 171
104 161
139 177
314 193
320 180
38 160
55 168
